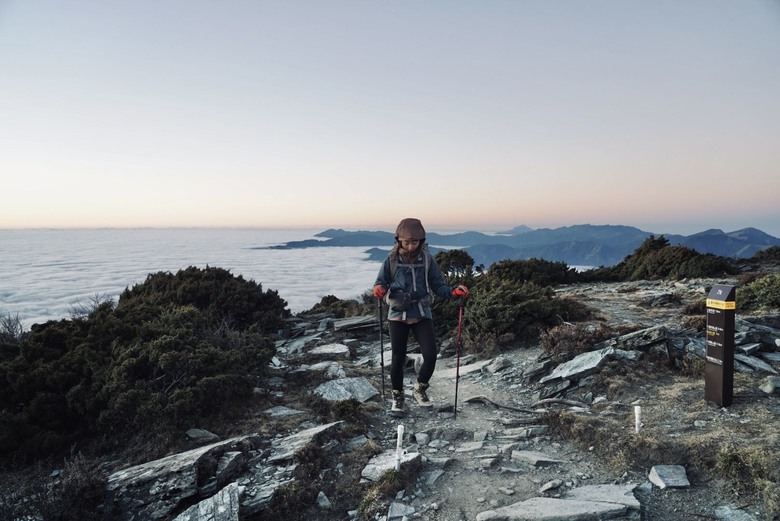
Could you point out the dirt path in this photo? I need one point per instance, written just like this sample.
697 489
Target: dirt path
479 474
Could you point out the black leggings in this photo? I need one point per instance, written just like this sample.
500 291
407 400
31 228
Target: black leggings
399 339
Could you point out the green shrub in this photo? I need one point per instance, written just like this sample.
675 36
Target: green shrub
656 259
505 312
11 329
174 349
771 254
214 291
342 308
457 264
538 271
78 491
514 301
457 267
562 343
761 294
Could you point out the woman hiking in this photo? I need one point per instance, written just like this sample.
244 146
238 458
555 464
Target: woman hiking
408 278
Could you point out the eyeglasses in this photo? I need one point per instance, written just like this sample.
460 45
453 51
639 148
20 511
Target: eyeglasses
409 242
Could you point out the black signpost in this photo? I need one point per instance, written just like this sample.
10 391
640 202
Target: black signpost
719 364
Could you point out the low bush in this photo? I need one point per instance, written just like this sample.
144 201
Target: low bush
78 491
505 313
761 294
562 343
174 349
657 259
538 271
771 254
342 308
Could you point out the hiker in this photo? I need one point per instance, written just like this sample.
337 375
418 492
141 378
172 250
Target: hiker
407 280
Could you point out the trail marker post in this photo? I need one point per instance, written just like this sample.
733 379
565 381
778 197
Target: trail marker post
719 362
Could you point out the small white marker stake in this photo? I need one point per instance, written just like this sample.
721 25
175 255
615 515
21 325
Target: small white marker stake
637 418
398 447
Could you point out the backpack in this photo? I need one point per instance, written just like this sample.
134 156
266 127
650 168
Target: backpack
427 259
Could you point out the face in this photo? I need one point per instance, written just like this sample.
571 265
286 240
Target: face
409 244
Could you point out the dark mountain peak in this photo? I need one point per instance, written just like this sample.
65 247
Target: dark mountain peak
332 233
708 233
752 235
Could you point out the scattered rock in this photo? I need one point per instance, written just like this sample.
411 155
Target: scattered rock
385 461
771 385
669 476
345 388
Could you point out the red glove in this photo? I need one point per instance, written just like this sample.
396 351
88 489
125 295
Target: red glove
379 291
461 292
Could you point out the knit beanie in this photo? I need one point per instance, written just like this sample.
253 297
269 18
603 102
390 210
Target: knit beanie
410 228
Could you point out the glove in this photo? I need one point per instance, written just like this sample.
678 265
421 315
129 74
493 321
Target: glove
379 291
460 292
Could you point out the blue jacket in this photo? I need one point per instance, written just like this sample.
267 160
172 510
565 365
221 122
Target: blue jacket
410 278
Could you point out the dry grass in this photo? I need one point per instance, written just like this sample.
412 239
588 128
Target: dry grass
738 443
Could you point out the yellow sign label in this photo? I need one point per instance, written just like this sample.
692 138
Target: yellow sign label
721 304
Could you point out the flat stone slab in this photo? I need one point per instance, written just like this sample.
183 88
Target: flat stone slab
621 494
581 365
385 461
537 459
331 369
470 446
280 411
330 351
355 323
284 449
732 513
358 388
223 506
669 476
553 509
772 358
755 363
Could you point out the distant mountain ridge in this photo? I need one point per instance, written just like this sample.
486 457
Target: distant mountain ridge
578 245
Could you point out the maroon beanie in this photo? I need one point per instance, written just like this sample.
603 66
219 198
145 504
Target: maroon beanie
410 228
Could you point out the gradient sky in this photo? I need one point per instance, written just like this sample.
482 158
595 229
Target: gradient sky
663 115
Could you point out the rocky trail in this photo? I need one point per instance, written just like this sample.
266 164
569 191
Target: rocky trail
498 459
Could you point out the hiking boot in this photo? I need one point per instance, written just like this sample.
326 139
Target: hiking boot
397 408
421 395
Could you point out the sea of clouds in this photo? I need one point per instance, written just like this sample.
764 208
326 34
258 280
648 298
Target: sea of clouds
46 273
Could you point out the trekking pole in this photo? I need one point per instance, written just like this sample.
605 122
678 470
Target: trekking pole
381 346
459 344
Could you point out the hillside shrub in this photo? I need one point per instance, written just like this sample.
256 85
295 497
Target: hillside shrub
214 291
564 342
455 263
503 313
457 267
771 254
760 294
11 329
77 491
656 259
173 350
339 308
540 272
514 301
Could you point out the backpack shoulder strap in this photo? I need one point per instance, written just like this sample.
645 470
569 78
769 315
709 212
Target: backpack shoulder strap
428 259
